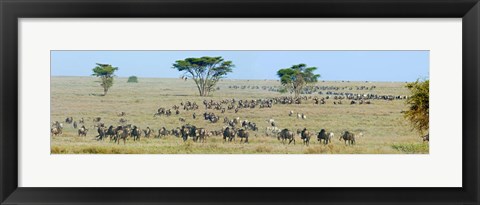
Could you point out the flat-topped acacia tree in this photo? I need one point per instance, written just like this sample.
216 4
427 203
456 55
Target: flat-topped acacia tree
297 76
106 73
205 71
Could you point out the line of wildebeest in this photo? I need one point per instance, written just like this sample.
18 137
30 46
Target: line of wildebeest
232 128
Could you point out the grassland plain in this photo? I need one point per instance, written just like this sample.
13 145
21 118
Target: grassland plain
384 129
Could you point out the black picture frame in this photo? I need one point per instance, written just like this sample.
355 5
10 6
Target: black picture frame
12 10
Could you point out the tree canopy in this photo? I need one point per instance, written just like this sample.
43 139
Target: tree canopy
205 71
418 106
106 73
297 76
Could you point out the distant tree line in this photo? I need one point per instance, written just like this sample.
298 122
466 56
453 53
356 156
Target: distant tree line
207 71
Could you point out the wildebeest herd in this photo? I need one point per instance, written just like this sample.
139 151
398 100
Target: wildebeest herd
168 116
231 128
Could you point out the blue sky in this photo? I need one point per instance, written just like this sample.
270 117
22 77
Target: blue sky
332 65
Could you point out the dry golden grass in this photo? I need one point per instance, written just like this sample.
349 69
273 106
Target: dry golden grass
385 130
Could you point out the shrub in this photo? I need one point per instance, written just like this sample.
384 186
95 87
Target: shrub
132 79
412 148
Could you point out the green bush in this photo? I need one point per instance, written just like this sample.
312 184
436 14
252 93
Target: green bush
132 79
411 148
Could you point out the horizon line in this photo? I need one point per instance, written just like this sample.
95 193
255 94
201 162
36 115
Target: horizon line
233 78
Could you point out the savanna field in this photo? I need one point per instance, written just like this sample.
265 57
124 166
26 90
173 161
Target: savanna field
381 124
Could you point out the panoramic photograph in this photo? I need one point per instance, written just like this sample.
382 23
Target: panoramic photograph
239 102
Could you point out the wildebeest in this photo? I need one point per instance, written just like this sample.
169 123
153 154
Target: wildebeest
305 135
249 125
426 138
162 132
148 132
82 131
272 130
177 132
229 134
121 114
69 120
101 133
323 135
330 136
188 131
122 121
121 133
110 132
160 112
286 134
271 122
56 128
200 135
97 119
348 137
75 124
55 131
243 134
136 133
81 121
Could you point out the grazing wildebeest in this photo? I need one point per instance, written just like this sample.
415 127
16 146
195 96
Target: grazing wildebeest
136 133
160 112
323 135
162 132
426 138
348 137
75 125
200 135
148 132
272 130
286 134
122 121
194 116
304 116
97 119
271 122
121 114
181 119
82 131
229 133
188 131
56 129
305 135
242 133
69 120
121 133
177 132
